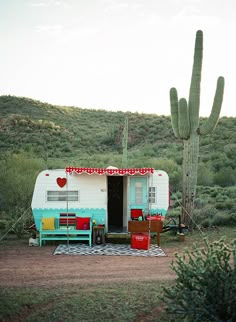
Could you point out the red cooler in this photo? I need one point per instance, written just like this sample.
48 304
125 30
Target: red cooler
140 241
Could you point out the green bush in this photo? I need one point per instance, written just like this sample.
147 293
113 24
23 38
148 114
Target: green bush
225 177
17 177
224 219
205 175
206 223
173 213
200 203
19 221
203 217
225 203
205 288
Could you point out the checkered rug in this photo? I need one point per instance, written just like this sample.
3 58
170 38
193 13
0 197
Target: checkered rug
107 249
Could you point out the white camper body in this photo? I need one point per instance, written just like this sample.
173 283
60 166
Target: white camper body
106 195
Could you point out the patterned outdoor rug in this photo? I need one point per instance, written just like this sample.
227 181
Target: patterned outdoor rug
107 249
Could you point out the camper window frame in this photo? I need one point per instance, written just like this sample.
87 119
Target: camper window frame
152 195
138 193
65 195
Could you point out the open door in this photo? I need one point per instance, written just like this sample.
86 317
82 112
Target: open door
115 203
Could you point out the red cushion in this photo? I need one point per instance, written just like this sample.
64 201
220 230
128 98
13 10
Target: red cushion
136 213
82 223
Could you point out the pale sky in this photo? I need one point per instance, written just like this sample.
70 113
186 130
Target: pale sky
119 55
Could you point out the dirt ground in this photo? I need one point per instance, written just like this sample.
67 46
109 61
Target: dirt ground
21 265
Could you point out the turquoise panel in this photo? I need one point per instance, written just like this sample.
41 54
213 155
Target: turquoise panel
156 211
98 214
133 204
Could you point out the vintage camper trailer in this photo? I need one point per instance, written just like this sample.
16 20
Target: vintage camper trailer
106 194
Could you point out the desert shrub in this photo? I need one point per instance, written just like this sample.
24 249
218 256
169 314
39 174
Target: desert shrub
213 192
2 224
224 219
203 217
205 175
205 223
17 177
176 198
200 203
233 218
173 213
19 221
67 148
205 288
225 203
225 177
230 204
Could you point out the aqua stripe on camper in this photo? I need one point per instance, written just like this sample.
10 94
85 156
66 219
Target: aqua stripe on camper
157 211
98 214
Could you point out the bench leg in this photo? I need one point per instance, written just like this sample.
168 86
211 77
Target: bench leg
41 242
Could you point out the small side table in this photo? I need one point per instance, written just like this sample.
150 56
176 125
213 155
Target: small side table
99 231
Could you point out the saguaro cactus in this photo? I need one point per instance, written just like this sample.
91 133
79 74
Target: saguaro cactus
125 144
185 123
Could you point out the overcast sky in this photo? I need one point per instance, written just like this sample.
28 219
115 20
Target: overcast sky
116 54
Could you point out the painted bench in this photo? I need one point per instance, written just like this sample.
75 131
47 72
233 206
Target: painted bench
65 228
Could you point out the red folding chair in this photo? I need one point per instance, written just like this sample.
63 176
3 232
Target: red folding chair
136 213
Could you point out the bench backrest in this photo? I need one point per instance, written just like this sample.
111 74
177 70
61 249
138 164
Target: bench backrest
67 219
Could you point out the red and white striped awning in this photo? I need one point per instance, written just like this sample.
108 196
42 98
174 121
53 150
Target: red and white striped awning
109 171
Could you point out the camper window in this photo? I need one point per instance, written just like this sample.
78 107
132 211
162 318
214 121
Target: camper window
62 195
152 195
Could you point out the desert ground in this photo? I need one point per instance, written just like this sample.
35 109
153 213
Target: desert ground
21 265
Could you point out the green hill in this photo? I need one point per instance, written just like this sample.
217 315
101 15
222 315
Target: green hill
74 131
36 135
76 136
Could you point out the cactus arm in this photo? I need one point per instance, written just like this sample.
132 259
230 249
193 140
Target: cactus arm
184 127
194 93
174 111
212 121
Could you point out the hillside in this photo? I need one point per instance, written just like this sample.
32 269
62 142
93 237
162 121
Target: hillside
94 137
75 130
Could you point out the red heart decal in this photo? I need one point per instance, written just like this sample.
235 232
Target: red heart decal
61 182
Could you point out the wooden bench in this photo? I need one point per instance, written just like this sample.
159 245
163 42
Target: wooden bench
65 228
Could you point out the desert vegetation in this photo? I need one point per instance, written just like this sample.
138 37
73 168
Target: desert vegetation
36 135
